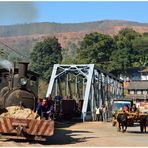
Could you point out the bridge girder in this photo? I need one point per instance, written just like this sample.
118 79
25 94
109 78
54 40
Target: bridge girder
98 87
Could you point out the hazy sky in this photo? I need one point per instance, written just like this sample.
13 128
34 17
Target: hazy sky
71 12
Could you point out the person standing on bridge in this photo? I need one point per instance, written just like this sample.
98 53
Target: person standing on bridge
104 113
97 113
101 113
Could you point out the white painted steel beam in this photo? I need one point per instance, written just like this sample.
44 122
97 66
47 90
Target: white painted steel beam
92 80
52 79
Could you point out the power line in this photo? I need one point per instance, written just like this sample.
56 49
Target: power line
13 50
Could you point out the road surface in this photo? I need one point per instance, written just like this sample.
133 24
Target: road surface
97 134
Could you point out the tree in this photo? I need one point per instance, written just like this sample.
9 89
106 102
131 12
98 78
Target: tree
141 47
96 48
124 56
69 54
119 61
44 55
128 33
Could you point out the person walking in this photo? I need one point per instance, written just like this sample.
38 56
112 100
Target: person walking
97 113
101 113
104 113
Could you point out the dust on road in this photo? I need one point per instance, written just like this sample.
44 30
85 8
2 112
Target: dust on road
87 134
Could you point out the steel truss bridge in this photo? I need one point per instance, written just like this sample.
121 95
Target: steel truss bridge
87 82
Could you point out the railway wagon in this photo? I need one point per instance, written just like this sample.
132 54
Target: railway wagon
26 128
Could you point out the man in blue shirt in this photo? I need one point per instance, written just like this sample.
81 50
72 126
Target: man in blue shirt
43 109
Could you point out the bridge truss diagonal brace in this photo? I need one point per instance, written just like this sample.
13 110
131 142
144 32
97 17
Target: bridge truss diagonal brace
88 74
52 80
87 90
93 80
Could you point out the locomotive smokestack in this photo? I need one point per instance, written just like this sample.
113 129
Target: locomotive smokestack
23 66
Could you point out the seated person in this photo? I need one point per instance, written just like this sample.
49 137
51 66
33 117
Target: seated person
134 108
126 108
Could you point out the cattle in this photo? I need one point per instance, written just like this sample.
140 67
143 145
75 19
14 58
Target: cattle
122 121
143 120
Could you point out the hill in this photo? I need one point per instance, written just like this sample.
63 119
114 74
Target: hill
23 37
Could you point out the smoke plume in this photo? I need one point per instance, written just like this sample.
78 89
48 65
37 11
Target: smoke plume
7 65
17 12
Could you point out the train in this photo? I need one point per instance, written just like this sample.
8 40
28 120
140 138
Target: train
20 87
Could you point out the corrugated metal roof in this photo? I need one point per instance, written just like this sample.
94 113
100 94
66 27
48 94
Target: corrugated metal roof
136 96
138 85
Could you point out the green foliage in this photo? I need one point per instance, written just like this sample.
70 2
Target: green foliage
128 34
96 48
124 56
141 47
115 54
44 55
119 61
69 54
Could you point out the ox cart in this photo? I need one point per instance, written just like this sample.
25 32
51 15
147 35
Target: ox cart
137 117
26 128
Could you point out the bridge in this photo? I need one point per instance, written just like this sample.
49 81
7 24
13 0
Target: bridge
85 82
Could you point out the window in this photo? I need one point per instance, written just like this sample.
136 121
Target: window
131 92
144 92
139 92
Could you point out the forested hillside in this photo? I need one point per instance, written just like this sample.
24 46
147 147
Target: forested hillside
22 38
50 28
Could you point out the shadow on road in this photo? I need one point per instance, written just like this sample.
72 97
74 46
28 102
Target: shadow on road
136 132
61 136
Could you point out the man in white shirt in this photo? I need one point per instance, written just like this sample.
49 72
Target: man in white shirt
97 113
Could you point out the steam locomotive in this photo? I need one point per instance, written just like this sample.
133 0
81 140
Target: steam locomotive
18 86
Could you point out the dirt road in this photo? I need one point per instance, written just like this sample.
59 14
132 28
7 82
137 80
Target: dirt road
87 134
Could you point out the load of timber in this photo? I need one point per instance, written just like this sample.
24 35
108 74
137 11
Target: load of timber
18 120
132 117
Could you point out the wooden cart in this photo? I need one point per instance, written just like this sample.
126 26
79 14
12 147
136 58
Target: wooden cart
132 118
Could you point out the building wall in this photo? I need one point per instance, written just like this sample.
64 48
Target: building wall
144 77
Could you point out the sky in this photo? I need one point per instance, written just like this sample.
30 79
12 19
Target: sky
21 12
